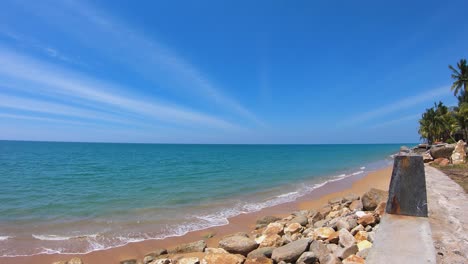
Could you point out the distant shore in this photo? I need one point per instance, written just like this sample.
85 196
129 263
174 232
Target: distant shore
356 184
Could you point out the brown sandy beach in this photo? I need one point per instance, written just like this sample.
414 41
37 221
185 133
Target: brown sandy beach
355 184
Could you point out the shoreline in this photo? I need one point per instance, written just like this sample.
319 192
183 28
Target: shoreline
357 184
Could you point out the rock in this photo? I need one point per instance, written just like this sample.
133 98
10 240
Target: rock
372 198
407 191
346 239
320 223
188 260
76 261
59 262
363 245
330 259
442 151
324 211
427 157
357 229
293 228
333 238
360 214
335 200
405 149
290 252
366 220
238 244
223 259
260 260
128 261
274 228
441 162
162 261
261 252
270 240
215 251
264 221
459 154
333 214
342 224
323 233
321 250
152 255
356 205
300 219
332 247
197 246
380 210
353 259
363 253
368 228
371 236
307 258
344 252
350 198
360 236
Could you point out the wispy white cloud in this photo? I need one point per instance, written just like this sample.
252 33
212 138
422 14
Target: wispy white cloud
397 121
48 79
399 105
145 56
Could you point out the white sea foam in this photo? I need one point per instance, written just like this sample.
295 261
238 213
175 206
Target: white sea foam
191 223
3 238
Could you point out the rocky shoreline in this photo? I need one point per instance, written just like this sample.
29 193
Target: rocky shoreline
341 231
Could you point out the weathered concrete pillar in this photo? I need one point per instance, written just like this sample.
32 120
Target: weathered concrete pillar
407 192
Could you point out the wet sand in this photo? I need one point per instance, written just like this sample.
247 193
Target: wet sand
357 184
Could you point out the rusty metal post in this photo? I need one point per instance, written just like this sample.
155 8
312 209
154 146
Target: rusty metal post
407 191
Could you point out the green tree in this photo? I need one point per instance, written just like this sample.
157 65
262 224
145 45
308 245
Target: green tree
438 124
460 77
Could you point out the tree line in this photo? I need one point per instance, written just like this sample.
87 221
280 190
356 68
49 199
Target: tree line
448 124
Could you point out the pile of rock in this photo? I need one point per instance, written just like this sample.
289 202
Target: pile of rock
444 154
342 231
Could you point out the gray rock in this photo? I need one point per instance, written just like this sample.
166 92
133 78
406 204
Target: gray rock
373 197
342 224
162 261
352 222
320 249
300 219
363 253
290 252
188 260
442 151
197 246
128 261
261 252
368 228
371 236
307 258
335 200
344 252
264 221
330 259
332 247
152 255
357 229
356 205
405 149
320 223
346 239
407 192
238 244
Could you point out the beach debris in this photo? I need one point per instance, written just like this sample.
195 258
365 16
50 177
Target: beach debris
238 244
372 198
459 154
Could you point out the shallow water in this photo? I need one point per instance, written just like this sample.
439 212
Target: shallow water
80 197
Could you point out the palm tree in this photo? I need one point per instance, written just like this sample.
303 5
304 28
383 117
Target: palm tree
460 77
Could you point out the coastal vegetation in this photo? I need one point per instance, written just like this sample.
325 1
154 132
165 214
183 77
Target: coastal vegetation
441 123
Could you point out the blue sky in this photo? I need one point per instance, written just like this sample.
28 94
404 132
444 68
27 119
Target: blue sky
225 71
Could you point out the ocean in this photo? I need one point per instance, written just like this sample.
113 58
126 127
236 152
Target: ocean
81 197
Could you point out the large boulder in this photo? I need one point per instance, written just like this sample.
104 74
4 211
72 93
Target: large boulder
223 259
197 246
442 151
290 252
188 260
261 252
372 198
427 157
459 154
441 162
238 244
308 258
320 249
264 221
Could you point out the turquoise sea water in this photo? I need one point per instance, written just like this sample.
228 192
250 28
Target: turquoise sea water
80 197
